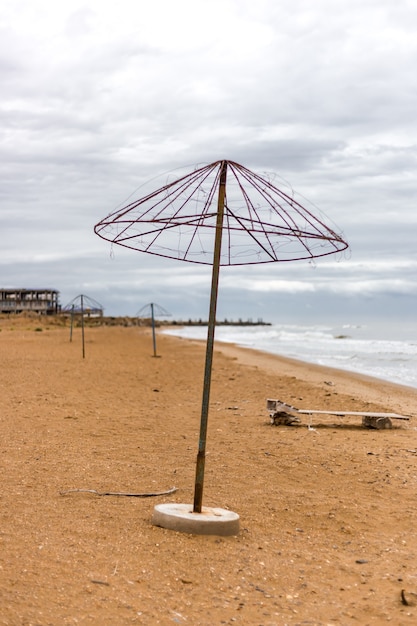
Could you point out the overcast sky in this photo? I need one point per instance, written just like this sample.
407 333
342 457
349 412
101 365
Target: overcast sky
99 97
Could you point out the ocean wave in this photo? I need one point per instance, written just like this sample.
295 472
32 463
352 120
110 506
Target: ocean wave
388 359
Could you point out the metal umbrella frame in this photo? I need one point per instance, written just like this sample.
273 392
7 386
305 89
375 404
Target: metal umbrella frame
80 304
151 311
252 221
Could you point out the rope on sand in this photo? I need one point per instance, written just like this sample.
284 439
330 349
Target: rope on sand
118 493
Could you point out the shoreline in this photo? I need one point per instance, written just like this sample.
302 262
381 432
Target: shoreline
367 388
368 364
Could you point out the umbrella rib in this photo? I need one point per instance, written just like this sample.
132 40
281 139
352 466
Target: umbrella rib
251 209
186 184
298 208
283 214
205 212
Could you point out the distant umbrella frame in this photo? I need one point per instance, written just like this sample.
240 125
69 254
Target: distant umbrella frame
81 304
255 223
152 310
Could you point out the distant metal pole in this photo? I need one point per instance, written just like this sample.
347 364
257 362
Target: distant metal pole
72 321
153 330
201 456
82 324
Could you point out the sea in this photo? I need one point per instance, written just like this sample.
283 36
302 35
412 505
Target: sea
388 353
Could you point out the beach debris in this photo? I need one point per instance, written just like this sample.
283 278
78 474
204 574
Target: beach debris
378 423
282 413
283 418
408 598
120 493
221 214
100 582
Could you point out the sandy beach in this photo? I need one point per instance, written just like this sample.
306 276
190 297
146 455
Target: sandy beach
327 507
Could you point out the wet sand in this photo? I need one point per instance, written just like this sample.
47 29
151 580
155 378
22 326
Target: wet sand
327 507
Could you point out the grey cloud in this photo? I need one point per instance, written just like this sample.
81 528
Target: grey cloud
91 110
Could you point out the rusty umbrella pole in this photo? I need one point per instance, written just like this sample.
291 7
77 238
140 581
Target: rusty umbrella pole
72 321
153 330
201 456
82 324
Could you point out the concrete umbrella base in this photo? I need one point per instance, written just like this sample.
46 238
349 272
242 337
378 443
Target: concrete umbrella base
211 521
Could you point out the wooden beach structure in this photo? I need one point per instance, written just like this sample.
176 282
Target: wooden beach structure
40 301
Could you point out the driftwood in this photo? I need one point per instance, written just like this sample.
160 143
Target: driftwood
282 413
120 493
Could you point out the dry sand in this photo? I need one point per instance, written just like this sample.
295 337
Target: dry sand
328 513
